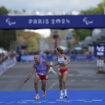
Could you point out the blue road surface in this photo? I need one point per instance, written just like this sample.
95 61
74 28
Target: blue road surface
76 97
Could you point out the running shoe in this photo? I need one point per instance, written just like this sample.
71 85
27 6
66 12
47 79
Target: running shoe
44 94
66 96
37 97
61 96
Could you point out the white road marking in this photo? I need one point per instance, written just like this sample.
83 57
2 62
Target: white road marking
53 84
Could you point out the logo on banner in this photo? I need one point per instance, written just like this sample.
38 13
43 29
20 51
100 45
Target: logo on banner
87 22
100 50
9 22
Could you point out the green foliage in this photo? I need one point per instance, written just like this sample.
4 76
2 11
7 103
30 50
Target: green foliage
6 38
33 43
98 10
3 11
82 33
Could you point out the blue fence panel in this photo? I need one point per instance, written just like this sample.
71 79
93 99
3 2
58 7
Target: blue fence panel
54 57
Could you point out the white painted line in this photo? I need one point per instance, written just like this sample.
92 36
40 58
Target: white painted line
53 84
53 102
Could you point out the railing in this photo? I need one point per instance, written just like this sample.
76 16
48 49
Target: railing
4 66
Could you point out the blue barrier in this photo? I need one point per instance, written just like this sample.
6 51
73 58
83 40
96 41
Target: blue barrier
27 57
54 57
31 57
10 62
75 97
81 57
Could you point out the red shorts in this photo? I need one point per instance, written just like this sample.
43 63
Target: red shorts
63 70
43 77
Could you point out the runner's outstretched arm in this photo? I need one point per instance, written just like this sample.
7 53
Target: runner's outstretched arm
54 64
30 75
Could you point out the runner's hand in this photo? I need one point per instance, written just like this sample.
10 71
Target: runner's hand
51 65
25 80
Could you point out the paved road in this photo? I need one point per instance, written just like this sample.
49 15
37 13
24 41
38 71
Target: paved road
82 76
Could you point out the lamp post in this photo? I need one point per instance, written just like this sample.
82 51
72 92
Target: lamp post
68 37
55 36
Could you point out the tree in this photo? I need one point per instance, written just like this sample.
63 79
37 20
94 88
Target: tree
80 34
33 44
31 40
7 37
3 11
98 10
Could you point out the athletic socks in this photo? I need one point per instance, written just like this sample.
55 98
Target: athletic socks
61 94
65 91
65 94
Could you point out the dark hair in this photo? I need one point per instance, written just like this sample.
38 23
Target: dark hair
60 50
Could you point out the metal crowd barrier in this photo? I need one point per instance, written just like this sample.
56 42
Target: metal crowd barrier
10 62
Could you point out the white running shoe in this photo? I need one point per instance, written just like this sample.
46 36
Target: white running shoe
61 96
37 96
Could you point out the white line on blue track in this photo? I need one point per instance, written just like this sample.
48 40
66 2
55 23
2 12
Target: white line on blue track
75 97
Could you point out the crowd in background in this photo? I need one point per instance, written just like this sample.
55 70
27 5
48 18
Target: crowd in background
4 57
100 61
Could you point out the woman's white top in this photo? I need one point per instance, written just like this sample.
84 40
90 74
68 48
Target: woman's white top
61 60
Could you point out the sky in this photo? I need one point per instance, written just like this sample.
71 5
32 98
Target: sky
49 5
43 32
